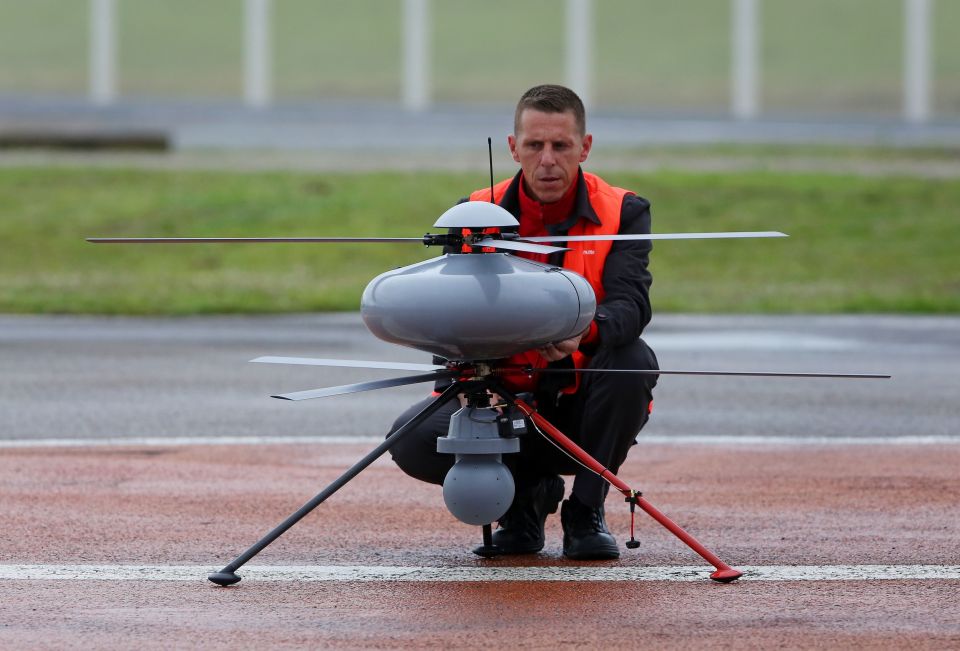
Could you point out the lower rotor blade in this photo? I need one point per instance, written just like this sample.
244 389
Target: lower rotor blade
242 240
366 386
655 236
510 245
347 363
858 376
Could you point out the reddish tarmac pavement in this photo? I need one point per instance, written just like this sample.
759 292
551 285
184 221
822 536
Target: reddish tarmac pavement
821 530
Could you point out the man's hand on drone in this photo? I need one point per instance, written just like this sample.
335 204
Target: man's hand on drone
560 349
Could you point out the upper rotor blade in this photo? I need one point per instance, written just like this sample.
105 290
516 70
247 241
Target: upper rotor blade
860 376
655 236
347 363
243 240
511 245
365 386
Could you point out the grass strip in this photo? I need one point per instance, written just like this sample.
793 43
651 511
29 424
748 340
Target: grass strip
857 244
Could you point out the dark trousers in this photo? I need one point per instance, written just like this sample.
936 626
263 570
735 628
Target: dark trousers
603 417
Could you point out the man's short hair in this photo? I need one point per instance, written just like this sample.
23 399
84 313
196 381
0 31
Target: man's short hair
551 98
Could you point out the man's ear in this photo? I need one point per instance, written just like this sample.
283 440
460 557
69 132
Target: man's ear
587 144
512 142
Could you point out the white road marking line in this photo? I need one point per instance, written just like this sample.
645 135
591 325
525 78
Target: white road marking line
372 573
177 441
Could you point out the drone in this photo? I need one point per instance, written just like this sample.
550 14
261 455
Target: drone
474 306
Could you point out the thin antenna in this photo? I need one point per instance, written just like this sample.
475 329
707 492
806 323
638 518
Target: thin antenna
490 153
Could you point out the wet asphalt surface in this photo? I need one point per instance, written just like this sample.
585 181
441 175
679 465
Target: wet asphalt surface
199 505
172 514
385 125
103 377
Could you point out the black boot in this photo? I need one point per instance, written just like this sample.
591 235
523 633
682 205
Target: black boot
521 527
585 534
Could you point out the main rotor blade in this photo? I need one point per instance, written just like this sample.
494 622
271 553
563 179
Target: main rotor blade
347 363
243 240
655 236
366 386
859 376
512 245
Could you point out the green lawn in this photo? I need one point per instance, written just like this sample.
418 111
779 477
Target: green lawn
819 55
857 244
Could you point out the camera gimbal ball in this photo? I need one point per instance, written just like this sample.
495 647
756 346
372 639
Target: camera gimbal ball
478 489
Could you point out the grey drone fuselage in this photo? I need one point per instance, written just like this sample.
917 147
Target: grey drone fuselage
477 306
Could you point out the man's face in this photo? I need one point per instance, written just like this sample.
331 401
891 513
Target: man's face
549 148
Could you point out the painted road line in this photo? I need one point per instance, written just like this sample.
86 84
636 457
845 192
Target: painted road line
379 573
178 441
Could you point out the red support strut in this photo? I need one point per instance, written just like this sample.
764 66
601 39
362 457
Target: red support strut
724 572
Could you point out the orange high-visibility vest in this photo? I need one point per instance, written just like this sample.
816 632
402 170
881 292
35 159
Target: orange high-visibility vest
585 258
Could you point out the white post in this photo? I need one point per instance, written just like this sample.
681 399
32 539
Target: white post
579 50
916 61
103 52
416 55
256 54
744 36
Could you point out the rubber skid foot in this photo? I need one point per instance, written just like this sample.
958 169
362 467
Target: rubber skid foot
224 578
727 575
